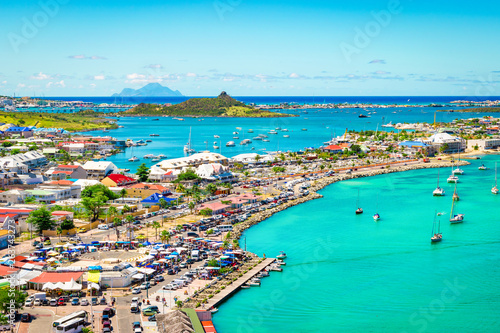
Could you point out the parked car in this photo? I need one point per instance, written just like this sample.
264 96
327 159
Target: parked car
136 325
136 290
149 312
28 303
152 318
75 301
169 286
53 302
103 301
93 301
37 302
84 301
159 278
60 302
25 317
145 285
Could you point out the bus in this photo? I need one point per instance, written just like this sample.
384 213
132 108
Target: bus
72 326
225 228
75 315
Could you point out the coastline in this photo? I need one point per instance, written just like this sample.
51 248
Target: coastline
318 185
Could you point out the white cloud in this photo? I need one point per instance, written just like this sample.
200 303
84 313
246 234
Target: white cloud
191 75
99 77
93 85
41 76
21 85
135 76
294 76
154 66
83 57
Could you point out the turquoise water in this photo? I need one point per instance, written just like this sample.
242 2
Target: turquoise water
321 125
347 273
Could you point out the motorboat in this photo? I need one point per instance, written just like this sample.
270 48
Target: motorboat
149 156
483 167
133 159
236 137
453 179
284 130
156 159
304 129
263 136
276 268
216 147
250 131
148 140
272 132
257 138
281 256
216 136
154 134
162 156
458 171
266 140
376 216
235 133
286 136
245 142
230 144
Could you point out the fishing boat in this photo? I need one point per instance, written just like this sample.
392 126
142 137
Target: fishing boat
359 210
483 167
436 232
455 218
494 189
438 192
230 144
133 159
281 256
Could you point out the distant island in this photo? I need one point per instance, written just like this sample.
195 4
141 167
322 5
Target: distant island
221 106
149 90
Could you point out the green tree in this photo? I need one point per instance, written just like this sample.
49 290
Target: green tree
163 203
156 226
143 172
444 147
30 200
123 193
191 206
211 188
41 219
92 191
189 174
11 299
129 219
257 158
165 236
93 206
59 232
206 212
67 225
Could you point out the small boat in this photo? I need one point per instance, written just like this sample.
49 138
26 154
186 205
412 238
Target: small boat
236 137
250 131
230 144
235 133
276 268
257 138
187 147
156 159
154 134
286 136
458 171
216 147
482 167
133 159
437 236
376 217
304 129
272 132
281 256
363 116
148 140
263 136
162 156
265 140
216 136
214 310
245 142
284 130
389 124
278 128
453 179
148 156
281 263
245 287
438 192
494 189
155 119
264 273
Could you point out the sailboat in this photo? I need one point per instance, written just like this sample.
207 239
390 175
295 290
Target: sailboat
187 147
438 192
376 216
359 210
455 194
494 190
452 178
455 218
482 167
436 237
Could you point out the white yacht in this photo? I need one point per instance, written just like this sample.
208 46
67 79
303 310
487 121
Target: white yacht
458 171
149 156
272 132
286 136
230 144
216 136
453 179
133 159
162 156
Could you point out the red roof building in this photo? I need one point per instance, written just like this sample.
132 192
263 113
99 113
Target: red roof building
54 277
333 149
115 179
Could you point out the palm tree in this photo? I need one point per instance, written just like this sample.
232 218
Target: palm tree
156 225
59 232
165 236
180 188
123 193
112 211
163 203
116 223
257 158
191 206
129 219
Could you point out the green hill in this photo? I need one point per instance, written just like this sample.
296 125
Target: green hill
221 106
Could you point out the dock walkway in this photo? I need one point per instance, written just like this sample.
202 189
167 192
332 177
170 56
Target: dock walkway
229 290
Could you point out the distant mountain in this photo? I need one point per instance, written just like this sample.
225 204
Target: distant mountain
221 106
149 90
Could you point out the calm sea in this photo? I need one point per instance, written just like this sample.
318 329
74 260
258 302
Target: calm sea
347 273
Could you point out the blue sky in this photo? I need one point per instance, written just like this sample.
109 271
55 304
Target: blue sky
281 48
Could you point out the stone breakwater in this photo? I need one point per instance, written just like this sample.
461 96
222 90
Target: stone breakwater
322 183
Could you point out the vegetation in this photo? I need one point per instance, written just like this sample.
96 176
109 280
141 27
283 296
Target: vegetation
187 175
206 212
221 106
41 219
143 172
11 299
73 122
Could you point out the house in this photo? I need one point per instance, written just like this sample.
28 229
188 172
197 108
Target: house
446 143
25 132
99 170
13 196
83 183
63 171
209 171
114 180
62 215
53 193
251 158
215 207
157 174
335 149
144 190
154 200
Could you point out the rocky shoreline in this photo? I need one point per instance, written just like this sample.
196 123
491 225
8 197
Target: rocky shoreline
238 229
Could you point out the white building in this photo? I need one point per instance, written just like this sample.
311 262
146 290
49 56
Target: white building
194 160
250 158
455 144
99 170
21 163
484 144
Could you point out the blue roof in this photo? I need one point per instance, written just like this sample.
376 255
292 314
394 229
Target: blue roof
155 198
413 144
18 129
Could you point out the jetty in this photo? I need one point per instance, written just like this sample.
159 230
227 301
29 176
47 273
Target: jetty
236 285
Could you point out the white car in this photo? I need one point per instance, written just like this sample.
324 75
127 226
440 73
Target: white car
28 303
136 290
169 286
84 301
37 302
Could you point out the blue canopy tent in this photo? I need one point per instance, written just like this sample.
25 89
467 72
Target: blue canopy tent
154 199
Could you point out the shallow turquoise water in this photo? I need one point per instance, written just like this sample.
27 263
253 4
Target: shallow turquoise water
347 273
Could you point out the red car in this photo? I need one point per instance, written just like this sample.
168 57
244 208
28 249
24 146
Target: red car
60 302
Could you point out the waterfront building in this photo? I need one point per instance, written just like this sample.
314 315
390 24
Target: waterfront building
250 158
454 144
483 144
99 170
335 149
193 161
